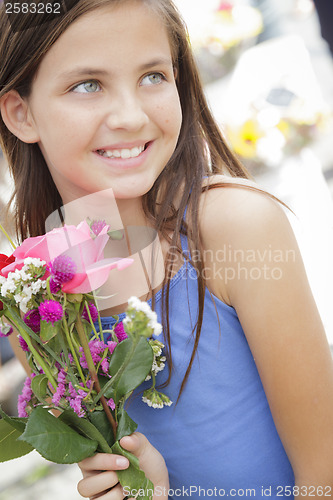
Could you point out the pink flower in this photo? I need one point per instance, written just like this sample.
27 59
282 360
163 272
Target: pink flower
120 332
62 269
78 244
32 320
111 404
97 226
51 311
112 345
97 348
23 344
93 313
25 397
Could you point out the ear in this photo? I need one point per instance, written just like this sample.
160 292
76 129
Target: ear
17 117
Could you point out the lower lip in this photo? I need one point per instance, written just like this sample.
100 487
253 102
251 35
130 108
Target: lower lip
126 163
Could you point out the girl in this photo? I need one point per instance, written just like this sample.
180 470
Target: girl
107 95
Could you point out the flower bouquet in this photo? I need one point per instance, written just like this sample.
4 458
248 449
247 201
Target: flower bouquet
72 404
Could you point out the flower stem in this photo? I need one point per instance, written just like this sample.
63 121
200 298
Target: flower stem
93 373
3 230
90 320
33 351
70 343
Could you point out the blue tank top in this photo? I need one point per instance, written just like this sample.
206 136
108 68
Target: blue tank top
220 439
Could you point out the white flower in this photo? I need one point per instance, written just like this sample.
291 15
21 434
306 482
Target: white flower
34 261
157 329
24 305
157 367
27 291
24 276
150 403
37 285
126 321
134 302
8 286
18 297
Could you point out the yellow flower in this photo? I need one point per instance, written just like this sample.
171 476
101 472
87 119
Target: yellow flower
284 127
243 140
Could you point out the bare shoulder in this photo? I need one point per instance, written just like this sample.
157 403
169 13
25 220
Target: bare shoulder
240 214
236 202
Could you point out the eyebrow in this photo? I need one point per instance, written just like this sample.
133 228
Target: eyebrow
83 71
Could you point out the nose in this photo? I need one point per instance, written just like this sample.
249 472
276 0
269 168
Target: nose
126 111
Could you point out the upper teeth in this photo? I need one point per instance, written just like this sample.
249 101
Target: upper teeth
121 153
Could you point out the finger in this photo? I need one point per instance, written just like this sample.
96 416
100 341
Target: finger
136 443
150 459
102 462
99 485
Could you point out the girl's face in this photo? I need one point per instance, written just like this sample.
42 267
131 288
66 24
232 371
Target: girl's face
104 103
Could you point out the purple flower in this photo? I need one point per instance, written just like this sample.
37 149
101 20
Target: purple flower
24 398
6 330
63 269
76 405
23 344
51 311
112 345
55 286
97 226
61 389
75 401
105 365
111 404
32 320
97 347
93 313
120 332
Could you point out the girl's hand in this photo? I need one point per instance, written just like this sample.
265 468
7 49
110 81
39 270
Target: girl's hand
100 477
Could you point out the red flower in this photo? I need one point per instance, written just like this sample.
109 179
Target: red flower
5 261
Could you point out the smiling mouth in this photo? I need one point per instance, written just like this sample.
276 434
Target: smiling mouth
122 153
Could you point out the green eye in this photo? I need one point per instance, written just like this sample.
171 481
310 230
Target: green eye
152 79
89 86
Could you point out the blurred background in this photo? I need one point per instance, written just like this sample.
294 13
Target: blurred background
268 73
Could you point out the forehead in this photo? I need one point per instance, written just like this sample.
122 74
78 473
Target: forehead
124 33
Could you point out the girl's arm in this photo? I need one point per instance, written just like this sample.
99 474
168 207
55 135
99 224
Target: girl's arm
105 483
276 308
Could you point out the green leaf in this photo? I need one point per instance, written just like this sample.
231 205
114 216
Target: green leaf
126 425
55 344
101 422
133 478
49 330
87 428
129 366
10 448
75 298
71 313
16 422
39 386
55 440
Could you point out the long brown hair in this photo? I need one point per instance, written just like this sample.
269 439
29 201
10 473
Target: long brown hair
201 150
